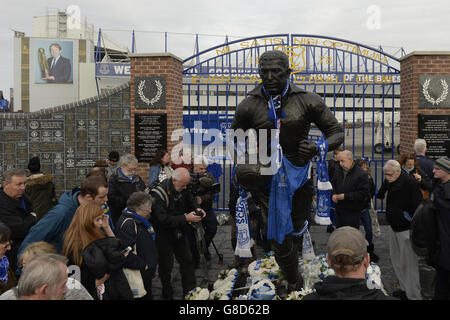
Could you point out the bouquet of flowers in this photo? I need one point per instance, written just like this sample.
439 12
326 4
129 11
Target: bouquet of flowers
223 287
266 267
197 294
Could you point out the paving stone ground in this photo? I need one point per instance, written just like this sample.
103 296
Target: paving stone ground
319 237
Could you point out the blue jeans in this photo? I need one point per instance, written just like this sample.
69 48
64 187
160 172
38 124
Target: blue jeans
367 224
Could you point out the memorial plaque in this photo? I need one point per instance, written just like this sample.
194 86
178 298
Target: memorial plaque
8 125
21 124
10 148
104 113
434 91
92 114
116 114
150 132
435 129
103 137
150 92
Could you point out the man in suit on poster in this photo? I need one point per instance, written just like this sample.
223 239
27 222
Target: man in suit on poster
60 67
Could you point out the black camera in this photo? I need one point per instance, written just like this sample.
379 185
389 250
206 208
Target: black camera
198 213
201 185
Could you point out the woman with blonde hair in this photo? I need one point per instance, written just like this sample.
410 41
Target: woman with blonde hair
90 244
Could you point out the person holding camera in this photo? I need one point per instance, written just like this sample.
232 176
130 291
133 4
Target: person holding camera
205 188
173 208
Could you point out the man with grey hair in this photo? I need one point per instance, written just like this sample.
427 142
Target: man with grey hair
16 210
426 164
351 191
43 278
403 197
122 184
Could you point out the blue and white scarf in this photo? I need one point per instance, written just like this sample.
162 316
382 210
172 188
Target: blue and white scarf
324 187
106 211
4 265
146 223
125 176
274 104
243 229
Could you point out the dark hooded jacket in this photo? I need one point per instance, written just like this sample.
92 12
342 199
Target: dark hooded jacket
335 288
356 189
18 219
403 196
133 232
104 256
52 227
41 190
119 190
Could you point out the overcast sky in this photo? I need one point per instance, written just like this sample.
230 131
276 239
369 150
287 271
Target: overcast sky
415 25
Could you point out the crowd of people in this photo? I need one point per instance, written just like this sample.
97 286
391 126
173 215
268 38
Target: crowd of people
114 226
407 182
116 230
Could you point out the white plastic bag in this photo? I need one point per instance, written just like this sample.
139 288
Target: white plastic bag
307 250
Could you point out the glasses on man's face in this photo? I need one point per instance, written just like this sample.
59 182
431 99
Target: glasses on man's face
388 174
132 169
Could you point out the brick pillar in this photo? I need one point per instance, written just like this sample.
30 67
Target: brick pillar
163 65
412 66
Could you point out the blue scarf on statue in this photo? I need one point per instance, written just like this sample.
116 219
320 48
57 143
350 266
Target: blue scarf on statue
324 187
4 265
286 178
146 223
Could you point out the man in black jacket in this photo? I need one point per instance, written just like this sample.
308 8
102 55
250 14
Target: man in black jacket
122 184
173 207
403 197
350 191
347 255
16 210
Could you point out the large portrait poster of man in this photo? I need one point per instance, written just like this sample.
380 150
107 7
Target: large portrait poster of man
53 61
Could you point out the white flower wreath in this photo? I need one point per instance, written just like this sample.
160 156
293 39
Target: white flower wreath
427 95
146 100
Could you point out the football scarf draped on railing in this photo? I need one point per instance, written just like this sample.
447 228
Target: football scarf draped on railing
324 187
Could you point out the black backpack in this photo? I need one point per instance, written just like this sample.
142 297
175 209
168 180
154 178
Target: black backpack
424 230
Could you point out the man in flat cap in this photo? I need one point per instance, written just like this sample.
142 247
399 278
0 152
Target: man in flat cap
347 255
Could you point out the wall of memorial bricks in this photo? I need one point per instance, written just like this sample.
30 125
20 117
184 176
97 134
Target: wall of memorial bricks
68 139
425 101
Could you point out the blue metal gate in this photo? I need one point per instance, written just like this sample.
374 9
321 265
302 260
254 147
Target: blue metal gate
360 84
